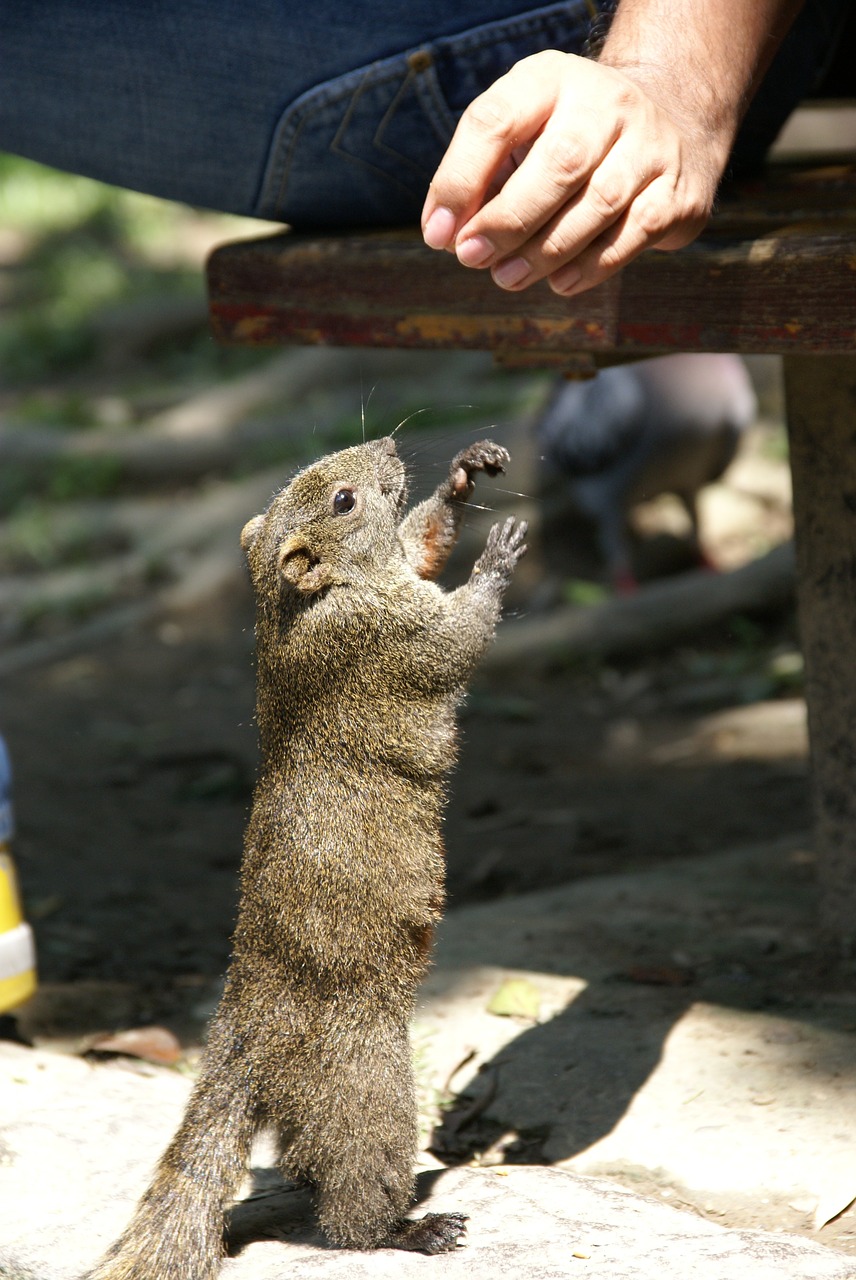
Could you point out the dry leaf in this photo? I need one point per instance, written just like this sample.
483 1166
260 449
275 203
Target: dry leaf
153 1044
832 1204
516 998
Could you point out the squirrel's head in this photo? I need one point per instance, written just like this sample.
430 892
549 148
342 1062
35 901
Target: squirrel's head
332 524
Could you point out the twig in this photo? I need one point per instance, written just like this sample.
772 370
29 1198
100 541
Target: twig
655 617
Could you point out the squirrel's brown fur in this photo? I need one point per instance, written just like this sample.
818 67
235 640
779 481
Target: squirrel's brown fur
361 662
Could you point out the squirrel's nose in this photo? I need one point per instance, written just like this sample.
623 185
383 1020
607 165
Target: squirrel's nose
386 446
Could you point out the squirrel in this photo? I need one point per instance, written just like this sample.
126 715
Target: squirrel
361 659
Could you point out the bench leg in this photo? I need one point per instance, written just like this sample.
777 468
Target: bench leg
821 407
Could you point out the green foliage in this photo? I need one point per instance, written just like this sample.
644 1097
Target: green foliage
775 444
579 591
84 247
70 409
30 539
750 663
73 478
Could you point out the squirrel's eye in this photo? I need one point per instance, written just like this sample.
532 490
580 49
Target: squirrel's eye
344 501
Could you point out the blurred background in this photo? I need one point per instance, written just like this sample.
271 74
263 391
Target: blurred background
132 450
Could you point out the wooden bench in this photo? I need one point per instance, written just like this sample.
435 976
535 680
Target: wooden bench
774 273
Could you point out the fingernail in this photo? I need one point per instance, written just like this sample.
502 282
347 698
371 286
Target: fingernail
566 280
512 272
440 228
477 251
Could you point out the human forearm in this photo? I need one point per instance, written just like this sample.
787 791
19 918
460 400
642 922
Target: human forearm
708 58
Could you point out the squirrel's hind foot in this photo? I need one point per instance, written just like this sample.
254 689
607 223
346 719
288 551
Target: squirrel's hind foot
435 1233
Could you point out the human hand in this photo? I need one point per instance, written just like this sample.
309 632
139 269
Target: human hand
566 169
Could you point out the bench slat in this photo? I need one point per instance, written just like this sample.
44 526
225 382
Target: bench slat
774 272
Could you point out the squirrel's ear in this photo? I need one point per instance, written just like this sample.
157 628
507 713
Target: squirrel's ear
300 568
251 531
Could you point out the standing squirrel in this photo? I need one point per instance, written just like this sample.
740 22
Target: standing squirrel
361 661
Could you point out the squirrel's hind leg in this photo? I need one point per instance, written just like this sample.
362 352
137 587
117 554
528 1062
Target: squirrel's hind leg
364 1195
357 1138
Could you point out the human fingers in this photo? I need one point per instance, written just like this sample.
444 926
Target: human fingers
599 201
644 200
562 162
606 142
592 107
496 127
649 222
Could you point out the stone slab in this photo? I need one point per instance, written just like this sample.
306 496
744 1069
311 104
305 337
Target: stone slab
78 1140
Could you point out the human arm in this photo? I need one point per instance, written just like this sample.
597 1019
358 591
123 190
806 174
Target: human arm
567 168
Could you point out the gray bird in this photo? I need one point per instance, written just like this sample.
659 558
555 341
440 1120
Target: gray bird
670 425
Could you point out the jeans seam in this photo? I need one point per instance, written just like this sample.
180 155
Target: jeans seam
522 25
349 94
347 89
411 80
430 94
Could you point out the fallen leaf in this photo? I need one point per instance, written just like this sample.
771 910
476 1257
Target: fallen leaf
516 998
152 1044
832 1204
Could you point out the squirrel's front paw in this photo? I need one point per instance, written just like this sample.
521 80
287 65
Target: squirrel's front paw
482 456
505 546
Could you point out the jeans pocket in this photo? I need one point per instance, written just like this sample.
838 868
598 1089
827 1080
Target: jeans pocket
362 148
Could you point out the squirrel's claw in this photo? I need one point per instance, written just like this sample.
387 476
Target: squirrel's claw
504 547
485 456
435 1233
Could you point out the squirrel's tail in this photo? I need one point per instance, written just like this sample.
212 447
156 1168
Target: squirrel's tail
176 1232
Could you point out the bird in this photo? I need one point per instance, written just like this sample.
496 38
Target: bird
668 425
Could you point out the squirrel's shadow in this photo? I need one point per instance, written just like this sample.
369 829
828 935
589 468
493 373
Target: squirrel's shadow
560 1086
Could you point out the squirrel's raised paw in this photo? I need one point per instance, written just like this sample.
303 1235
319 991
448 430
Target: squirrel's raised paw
435 1233
504 547
485 456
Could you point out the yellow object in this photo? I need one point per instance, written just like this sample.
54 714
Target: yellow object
17 950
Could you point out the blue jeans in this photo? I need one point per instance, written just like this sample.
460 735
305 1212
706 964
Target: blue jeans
317 114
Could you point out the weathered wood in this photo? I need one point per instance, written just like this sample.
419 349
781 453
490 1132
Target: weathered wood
775 272
821 399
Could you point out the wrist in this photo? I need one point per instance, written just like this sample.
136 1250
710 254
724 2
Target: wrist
697 107
698 61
